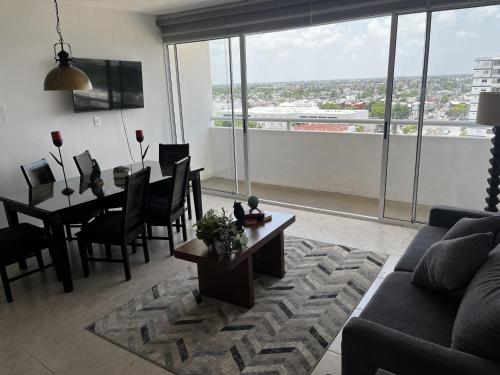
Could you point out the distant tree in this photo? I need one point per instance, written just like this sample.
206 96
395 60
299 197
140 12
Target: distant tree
377 109
458 110
400 111
409 129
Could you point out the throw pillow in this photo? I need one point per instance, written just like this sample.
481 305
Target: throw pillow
449 265
477 325
467 226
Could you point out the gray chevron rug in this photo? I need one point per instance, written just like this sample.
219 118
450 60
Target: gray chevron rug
291 326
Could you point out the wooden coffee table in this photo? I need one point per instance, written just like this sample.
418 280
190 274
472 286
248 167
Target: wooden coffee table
231 280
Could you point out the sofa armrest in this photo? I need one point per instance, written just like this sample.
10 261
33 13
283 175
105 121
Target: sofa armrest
444 216
368 346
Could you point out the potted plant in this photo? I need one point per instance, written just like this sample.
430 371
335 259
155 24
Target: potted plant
221 234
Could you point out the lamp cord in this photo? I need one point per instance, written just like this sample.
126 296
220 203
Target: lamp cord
58 23
126 136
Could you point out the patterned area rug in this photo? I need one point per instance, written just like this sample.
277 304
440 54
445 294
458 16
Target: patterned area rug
292 324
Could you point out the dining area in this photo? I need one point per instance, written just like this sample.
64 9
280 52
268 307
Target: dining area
122 210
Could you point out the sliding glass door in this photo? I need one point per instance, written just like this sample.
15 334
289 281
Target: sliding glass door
371 118
455 151
316 108
208 102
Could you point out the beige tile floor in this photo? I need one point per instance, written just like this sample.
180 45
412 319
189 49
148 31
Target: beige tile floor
327 200
42 332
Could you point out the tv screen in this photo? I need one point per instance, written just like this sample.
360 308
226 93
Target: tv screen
116 85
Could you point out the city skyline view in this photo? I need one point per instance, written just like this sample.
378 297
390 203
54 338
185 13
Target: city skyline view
341 50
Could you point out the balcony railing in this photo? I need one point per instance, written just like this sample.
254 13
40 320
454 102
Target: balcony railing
395 123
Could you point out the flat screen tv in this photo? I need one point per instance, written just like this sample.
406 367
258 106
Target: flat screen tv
116 85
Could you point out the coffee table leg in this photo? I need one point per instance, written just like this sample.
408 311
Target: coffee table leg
235 286
270 259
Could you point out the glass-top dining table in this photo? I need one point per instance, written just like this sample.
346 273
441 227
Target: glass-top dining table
47 203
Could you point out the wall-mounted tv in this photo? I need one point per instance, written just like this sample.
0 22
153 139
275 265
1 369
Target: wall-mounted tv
116 85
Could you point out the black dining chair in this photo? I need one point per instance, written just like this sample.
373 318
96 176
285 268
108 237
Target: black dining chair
37 173
84 163
17 244
168 155
120 228
164 210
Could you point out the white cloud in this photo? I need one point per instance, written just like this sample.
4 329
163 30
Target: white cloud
466 34
446 18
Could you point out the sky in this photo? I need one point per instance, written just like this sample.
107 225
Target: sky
360 49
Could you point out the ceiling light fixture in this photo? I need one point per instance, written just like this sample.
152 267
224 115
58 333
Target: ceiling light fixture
65 76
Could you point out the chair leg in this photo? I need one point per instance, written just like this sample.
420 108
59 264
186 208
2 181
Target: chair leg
69 236
145 246
126 262
39 259
83 248
170 238
178 225
184 227
23 265
108 250
6 285
150 231
134 247
188 197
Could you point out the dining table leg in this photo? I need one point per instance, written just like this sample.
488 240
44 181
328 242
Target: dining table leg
61 254
13 220
198 206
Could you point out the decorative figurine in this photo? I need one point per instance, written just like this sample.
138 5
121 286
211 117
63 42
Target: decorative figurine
253 203
239 214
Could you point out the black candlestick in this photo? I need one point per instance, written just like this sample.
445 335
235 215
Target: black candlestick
494 179
58 143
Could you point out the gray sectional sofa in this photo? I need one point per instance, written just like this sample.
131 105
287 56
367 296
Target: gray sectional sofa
407 330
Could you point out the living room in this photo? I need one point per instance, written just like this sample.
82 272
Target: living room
357 136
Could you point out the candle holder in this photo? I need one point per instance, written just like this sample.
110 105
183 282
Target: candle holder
139 136
58 141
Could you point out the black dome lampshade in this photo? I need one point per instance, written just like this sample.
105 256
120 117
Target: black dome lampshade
65 76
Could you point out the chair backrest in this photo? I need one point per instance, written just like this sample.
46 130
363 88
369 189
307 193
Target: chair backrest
136 194
169 154
37 173
179 184
83 163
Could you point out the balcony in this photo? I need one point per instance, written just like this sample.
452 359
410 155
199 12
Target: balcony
339 170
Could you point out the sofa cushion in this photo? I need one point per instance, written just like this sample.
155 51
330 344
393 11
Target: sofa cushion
477 326
467 226
449 265
400 305
424 238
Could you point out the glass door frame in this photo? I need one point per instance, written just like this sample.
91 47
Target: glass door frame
388 118
172 112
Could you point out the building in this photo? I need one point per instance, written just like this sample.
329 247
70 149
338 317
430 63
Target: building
486 78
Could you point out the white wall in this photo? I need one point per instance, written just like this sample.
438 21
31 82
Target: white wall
27 33
453 169
196 92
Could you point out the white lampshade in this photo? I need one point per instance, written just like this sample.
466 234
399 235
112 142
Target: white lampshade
488 110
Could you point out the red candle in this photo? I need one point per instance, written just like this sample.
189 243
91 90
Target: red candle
56 138
139 135
56 135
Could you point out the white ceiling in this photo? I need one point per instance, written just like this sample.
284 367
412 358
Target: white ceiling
150 6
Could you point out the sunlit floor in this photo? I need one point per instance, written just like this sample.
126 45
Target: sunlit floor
346 203
43 331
